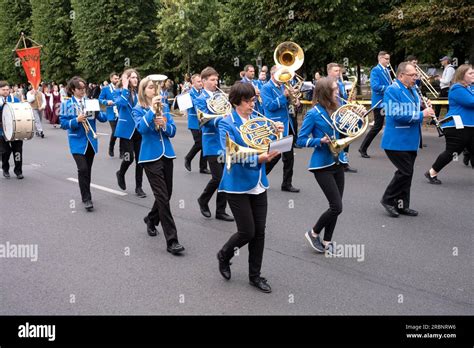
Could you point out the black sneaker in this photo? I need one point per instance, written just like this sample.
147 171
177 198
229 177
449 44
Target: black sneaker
6 174
315 242
175 248
433 179
88 205
121 180
140 193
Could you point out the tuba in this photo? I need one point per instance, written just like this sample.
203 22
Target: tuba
257 133
158 107
350 121
218 104
289 57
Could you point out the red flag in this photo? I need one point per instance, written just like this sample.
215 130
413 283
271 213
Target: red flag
30 59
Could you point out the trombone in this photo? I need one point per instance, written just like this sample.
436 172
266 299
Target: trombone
425 79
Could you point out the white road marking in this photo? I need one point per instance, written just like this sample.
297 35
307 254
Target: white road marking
103 188
102 133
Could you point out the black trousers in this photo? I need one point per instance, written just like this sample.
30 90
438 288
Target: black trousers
456 141
84 169
331 181
211 187
113 138
379 118
15 147
131 147
250 213
397 192
160 176
437 109
197 147
288 159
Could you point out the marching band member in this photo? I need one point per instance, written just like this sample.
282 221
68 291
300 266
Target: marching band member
156 155
248 77
334 72
401 138
275 105
329 174
9 147
107 98
380 80
246 189
461 102
193 126
37 101
211 148
83 146
130 140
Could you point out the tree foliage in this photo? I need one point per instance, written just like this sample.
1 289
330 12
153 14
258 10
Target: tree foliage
94 37
52 28
16 18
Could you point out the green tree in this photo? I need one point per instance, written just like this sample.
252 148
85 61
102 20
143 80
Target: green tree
15 15
187 33
52 28
433 28
113 35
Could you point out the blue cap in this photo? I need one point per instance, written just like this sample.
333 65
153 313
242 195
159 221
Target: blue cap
445 58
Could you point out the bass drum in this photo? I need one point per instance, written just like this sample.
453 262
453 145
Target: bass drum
18 121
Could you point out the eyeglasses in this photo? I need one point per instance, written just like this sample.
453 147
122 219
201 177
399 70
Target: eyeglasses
411 75
249 101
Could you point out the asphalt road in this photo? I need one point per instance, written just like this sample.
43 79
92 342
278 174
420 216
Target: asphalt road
105 263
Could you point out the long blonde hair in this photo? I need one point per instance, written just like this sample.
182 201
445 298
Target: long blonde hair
142 100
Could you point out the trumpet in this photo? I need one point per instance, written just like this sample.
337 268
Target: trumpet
87 126
158 107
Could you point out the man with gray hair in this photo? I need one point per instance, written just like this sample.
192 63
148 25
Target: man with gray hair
401 138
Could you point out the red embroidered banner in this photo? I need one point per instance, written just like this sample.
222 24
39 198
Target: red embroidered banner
30 59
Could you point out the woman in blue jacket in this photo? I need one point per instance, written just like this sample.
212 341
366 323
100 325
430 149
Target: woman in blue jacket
245 186
130 139
156 156
329 173
461 103
82 144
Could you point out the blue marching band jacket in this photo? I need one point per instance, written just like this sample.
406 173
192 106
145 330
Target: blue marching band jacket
125 124
210 134
461 102
403 118
108 94
247 173
9 99
380 80
275 105
193 122
316 124
78 139
256 84
155 143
